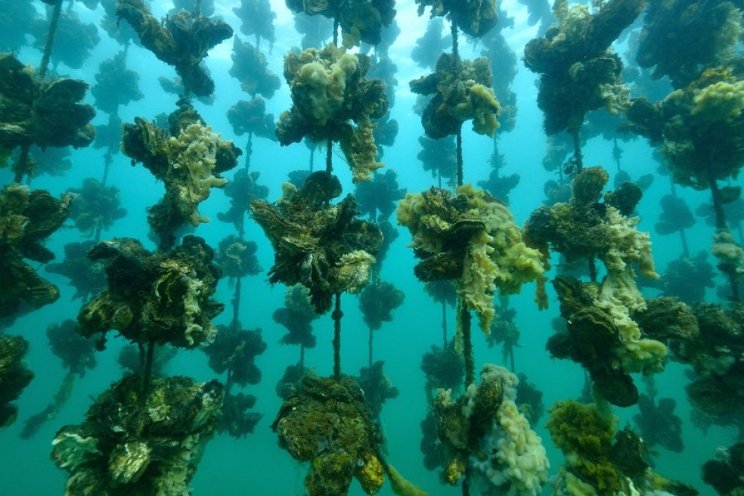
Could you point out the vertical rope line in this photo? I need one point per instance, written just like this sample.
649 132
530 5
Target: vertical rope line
147 374
578 158
459 157
337 314
249 150
236 304
22 166
444 324
329 156
50 39
467 345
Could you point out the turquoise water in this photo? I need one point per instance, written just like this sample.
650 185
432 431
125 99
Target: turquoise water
255 464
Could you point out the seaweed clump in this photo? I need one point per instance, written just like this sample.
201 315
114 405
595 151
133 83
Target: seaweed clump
377 301
439 157
188 158
360 20
257 19
475 18
599 458
687 278
249 116
136 443
250 67
165 297
698 129
675 216
14 23
328 423
27 218
430 46
234 351
469 237
77 355
725 472
319 245
115 84
484 429
85 276
376 199
462 91
242 190
587 228
658 423
237 257
609 349
95 207
296 316
181 40
578 71
74 40
716 355
680 37
75 351
332 100
377 387
44 112
14 376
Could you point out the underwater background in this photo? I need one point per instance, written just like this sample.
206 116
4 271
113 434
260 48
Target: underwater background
255 463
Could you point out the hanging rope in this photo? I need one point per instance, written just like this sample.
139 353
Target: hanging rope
459 157
329 156
147 373
336 315
236 304
50 39
578 157
721 225
467 345
249 150
444 324
22 166
456 56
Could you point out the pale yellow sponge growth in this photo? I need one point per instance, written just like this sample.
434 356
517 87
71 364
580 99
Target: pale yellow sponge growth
320 83
616 97
319 79
494 255
721 101
512 457
567 484
177 271
495 258
727 251
353 270
401 486
628 245
619 295
371 474
481 106
195 151
360 146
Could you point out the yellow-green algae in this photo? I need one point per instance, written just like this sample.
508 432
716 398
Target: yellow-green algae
332 100
469 237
